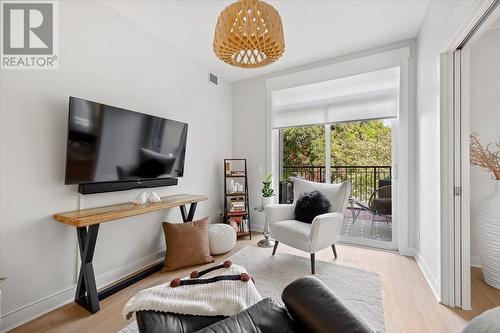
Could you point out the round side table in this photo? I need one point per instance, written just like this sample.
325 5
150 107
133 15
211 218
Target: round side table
267 241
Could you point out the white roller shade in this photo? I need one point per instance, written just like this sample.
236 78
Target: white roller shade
372 95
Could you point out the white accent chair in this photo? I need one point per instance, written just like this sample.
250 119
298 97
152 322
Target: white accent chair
323 232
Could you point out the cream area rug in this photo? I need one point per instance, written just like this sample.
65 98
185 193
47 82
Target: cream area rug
359 290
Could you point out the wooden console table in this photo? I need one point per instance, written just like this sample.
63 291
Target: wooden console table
87 223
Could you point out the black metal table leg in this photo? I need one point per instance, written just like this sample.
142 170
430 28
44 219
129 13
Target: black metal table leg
188 217
86 290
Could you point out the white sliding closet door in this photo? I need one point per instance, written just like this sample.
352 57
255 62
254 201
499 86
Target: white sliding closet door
455 227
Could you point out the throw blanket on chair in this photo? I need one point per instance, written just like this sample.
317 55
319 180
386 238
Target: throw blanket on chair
222 290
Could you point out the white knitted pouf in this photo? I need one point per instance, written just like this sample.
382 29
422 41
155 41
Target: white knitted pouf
222 238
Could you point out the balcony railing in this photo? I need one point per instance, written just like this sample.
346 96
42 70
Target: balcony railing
364 178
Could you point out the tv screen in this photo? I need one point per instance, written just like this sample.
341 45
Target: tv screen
110 144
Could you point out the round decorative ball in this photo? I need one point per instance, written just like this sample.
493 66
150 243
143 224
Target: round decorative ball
222 238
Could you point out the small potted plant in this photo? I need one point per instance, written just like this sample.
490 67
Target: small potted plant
488 215
267 191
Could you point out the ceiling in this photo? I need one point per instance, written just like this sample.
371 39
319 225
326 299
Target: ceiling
314 30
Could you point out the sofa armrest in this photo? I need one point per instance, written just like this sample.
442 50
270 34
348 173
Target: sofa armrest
316 309
281 212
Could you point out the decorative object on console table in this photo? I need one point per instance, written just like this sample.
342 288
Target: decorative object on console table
153 198
236 205
489 211
140 199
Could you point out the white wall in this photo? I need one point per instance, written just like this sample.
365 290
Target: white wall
485 111
249 139
103 57
441 25
250 114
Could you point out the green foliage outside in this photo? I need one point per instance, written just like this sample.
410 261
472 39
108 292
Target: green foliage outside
304 145
359 143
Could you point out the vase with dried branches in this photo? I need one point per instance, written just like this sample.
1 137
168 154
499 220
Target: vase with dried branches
488 217
484 157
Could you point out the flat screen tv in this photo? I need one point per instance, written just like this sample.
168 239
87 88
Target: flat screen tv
107 144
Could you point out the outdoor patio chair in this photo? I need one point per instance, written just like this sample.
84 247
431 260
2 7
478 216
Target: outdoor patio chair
379 204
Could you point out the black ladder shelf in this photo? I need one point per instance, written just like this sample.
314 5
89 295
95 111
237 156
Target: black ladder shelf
238 176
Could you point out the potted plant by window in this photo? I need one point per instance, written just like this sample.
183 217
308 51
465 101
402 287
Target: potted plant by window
488 217
267 196
267 191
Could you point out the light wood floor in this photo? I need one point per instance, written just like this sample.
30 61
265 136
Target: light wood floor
409 304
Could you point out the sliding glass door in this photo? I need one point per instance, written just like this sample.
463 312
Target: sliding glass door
337 130
360 152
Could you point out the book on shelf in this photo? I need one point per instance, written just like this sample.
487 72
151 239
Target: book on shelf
237 204
227 167
237 212
237 173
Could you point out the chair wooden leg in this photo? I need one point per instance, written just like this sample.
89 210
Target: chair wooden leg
275 247
334 251
313 264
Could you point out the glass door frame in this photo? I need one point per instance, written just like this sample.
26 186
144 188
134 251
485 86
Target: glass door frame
393 244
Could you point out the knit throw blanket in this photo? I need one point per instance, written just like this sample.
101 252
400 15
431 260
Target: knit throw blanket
223 290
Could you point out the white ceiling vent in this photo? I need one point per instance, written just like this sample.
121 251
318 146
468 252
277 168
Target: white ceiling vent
212 78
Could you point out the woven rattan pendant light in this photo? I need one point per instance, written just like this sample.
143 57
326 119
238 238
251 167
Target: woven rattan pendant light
249 34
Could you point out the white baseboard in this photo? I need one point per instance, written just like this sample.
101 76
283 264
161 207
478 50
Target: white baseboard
108 278
475 261
367 243
40 307
36 309
409 252
431 279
